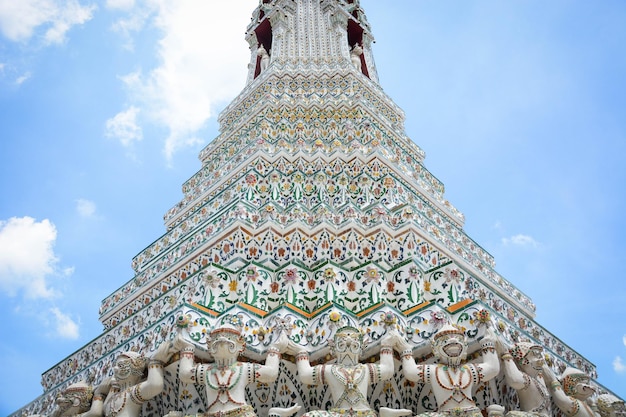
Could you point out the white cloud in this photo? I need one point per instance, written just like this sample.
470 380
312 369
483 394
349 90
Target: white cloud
202 65
618 362
123 126
71 14
64 326
520 240
86 208
120 4
20 80
20 19
133 22
27 257
127 26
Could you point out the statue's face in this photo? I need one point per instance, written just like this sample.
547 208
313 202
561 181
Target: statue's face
348 347
225 345
534 360
64 403
68 403
73 400
452 345
450 348
583 389
348 342
62 400
122 369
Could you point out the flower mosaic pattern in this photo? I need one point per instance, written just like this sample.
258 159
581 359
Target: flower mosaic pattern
173 248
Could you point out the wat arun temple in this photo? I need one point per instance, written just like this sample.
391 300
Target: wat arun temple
314 267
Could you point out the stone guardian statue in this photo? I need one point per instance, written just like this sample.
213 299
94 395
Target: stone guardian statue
265 57
225 380
347 379
451 380
355 56
127 390
572 392
523 366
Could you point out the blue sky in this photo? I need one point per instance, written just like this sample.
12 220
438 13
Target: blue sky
104 107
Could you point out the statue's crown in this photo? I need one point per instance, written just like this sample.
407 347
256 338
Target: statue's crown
349 329
522 349
574 373
79 387
448 329
226 329
571 377
229 324
137 361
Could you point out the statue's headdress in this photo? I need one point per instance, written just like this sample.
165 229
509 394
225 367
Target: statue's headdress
348 329
446 330
80 395
137 362
229 327
521 350
572 377
343 333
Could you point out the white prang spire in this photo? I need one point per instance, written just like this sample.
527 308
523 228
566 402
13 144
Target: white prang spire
309 34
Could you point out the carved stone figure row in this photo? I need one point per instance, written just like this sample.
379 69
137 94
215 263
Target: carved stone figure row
451 379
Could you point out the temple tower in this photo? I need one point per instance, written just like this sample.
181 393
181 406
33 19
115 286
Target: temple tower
311 210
